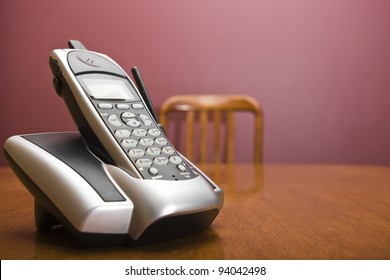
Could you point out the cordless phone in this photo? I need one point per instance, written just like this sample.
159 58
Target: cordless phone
118 180
117 124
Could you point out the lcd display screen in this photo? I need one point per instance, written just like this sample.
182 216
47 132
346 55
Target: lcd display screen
108 89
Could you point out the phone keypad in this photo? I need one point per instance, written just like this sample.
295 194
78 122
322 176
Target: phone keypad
143 142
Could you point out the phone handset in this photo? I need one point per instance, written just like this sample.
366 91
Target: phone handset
116 120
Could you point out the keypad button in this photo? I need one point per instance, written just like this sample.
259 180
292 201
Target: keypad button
105 106
153 151
128 115
161 161
139 132
146 142
113 120
161 141
146 120
168 150
129 143
122 133
153 171
137 106
175 159
133 123
154 132
143 163
136 153
181 168
121 106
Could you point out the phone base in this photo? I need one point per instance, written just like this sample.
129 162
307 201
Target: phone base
101 205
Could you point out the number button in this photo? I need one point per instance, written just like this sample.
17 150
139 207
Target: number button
129 143
175 159
154 132
122 133
139 132
146 142
136 153
161 161
153 151
168 150
161 141
143 163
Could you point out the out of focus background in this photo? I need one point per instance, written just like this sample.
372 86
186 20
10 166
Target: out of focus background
320 69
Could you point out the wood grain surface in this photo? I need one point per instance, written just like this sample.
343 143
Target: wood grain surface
270 212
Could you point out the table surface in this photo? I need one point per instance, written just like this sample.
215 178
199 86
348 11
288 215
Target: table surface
270 212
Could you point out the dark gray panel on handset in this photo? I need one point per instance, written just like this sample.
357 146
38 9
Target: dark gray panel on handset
82 61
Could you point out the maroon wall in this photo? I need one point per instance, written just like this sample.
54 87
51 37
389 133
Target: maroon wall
319 68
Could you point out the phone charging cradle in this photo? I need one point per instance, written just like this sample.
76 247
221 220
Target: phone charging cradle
100 204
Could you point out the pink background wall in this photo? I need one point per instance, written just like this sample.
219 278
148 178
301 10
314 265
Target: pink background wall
319 68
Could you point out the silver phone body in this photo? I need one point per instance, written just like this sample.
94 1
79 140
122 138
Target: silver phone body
49 166
90 182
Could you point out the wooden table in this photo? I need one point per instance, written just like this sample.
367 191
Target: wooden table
270 212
